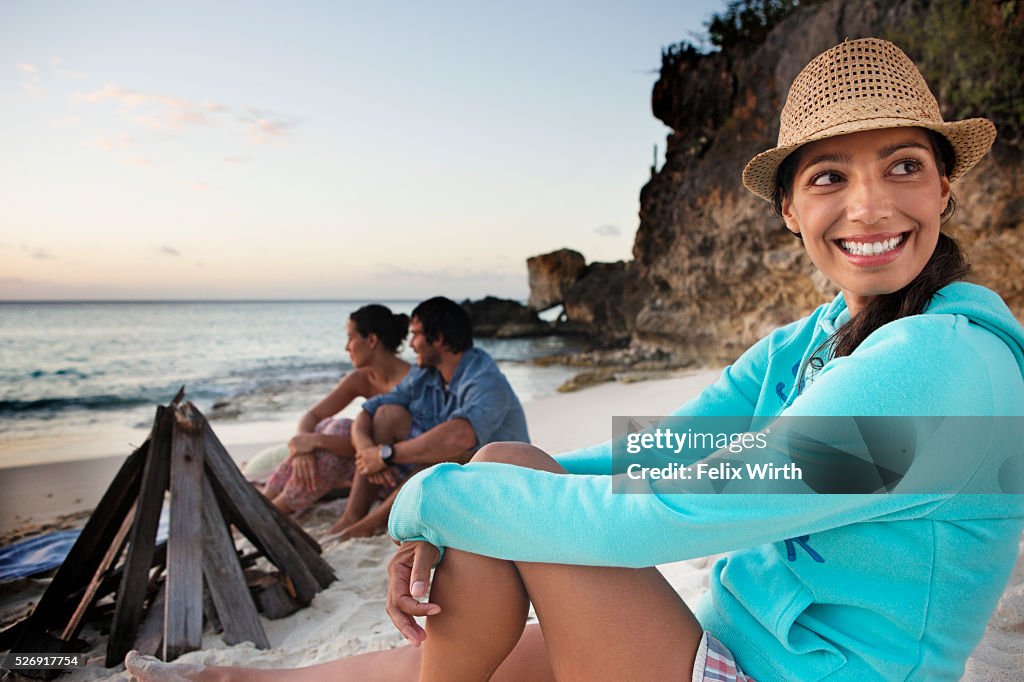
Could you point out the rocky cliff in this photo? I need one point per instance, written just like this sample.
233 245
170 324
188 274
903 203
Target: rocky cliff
713 270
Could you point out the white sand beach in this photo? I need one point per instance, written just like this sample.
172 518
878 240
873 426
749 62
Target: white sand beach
349 617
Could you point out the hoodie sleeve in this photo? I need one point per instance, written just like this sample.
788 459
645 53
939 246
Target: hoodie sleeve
735 393
917 367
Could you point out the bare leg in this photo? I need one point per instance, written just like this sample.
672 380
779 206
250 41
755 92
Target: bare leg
391 423
528 661
282 504
394 665
374 522
598 623
360 499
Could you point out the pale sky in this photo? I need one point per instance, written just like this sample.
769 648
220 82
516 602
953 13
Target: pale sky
359 150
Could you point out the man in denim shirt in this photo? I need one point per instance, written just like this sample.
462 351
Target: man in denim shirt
453 403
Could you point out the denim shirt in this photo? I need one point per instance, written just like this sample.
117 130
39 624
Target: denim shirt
478 393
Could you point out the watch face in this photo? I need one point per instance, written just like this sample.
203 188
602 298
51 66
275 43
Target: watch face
386 451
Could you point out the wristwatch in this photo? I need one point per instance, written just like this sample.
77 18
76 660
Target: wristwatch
386 453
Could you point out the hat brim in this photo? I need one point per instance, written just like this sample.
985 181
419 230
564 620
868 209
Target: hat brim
971 139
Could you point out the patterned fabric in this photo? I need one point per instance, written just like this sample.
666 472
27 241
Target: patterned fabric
714 663
331 471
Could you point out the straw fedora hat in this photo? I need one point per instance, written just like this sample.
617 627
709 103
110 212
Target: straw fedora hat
860 85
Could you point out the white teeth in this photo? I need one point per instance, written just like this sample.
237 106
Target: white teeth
871 248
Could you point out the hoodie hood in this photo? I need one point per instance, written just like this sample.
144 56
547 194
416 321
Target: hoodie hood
980 305
984 308
834 316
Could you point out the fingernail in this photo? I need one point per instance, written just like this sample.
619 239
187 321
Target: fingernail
433 610
419 588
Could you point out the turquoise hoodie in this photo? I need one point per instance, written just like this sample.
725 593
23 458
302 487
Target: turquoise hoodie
894 587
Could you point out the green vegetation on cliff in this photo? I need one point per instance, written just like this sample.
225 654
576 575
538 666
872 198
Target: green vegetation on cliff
971 52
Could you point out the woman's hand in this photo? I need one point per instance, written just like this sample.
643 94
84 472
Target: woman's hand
409 579
304 470
301 443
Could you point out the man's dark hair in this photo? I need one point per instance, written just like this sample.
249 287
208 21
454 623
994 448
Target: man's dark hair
441 316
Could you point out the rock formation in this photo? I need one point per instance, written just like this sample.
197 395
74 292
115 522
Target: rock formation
504 318
551 274
597 301
713 270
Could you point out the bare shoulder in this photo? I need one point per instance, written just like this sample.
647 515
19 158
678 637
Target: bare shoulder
358 382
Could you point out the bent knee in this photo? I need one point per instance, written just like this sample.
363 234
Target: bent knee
519 454
391 423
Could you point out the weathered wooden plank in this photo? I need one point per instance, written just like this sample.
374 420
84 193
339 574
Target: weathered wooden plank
246 507
308 548
183 613
109 558
55 607
225 579
135 575
210 617
151 631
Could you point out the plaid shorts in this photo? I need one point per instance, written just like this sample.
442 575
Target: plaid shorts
714 663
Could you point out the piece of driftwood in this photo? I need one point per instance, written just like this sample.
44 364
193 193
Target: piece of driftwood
223 571
89 595
150 637
86 554
255 519
135 576
183 612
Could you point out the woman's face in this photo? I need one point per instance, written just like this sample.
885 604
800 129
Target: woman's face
359 347
868 207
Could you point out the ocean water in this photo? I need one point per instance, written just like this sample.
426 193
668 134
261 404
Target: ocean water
82 379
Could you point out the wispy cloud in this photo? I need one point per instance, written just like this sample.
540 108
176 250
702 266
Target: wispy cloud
31 78
138 162
128 98
151 111
168 251
608 230
36 252
172 113
264 127
200 186
61 72
107 142
161 112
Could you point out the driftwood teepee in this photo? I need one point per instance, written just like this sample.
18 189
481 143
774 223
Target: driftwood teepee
208 494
